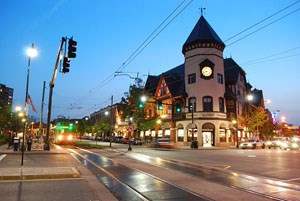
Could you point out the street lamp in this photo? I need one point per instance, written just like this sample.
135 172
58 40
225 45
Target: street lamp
31 52
192 107
234 122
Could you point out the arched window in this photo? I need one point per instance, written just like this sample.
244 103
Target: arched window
207 104
221 104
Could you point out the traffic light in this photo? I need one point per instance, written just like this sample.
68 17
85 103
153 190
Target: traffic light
72 48
66 65
159 105
140 104
178 108
60 127
70 128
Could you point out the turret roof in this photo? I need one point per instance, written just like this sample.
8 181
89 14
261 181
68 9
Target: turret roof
203 32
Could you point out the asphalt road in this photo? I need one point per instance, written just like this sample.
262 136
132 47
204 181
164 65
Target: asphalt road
274 163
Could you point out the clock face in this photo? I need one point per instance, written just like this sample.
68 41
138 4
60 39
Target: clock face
206 71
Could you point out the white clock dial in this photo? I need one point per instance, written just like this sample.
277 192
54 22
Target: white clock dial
206 71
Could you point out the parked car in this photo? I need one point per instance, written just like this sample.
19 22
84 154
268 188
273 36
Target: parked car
125 140
162 143
289 145
276 142
136 141
252 144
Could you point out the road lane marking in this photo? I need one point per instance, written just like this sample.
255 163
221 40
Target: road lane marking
2 156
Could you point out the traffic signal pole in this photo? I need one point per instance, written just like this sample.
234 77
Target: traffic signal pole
51 84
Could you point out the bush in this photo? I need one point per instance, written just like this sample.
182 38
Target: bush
4 139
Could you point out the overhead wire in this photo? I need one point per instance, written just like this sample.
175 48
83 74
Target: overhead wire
144 44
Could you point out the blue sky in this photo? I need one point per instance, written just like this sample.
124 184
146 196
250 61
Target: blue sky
108 32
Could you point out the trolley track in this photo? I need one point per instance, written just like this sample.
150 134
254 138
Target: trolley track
128 183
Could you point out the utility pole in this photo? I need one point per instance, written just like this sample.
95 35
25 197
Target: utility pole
111 121
42 111
51 84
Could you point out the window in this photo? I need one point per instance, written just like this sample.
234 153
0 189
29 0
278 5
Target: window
164 91
192 78
220 78
207 104
221 104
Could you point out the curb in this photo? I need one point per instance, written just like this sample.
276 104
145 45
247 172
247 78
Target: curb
32 173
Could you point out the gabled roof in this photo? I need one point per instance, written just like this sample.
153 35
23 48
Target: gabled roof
258 98
151 84
231 69
174 79
203 32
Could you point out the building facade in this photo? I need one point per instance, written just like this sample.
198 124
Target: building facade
210 91
6 96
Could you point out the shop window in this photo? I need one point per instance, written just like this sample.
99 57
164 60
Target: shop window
222 135
180 135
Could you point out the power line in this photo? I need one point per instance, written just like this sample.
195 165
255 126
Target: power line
263 27
261 21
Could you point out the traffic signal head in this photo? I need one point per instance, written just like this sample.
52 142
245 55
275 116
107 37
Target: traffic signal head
72 48
178 108
159 105
66 65
141 105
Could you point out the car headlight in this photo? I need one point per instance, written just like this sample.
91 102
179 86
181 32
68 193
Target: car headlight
295 145
278 143
60 137
70 137
284 144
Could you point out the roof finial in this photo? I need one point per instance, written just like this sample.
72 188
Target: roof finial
202 10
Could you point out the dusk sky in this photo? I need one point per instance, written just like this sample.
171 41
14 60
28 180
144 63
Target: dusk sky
109 32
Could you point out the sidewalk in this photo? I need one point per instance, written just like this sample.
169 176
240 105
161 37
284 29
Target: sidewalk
29 173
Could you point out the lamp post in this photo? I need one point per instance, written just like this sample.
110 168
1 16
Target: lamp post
31 52
234 122
192 107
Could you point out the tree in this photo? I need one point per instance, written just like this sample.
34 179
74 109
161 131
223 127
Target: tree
256 120
102 126
129 106
268 130
6 118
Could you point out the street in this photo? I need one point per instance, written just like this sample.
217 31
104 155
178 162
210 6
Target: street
262 171
159 174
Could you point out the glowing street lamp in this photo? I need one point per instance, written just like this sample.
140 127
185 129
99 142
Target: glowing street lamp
31 52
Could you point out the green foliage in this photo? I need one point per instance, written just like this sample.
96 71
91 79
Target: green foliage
102 126
147 124
257 119
268 130
4 139
7 120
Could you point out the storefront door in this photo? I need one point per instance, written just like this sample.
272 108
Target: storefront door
207 139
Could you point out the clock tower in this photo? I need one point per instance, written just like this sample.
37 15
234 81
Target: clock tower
204 68
205 85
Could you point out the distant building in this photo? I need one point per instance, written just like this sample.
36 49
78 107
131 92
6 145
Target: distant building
6 96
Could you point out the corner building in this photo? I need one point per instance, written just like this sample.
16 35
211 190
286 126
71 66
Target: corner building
199 86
